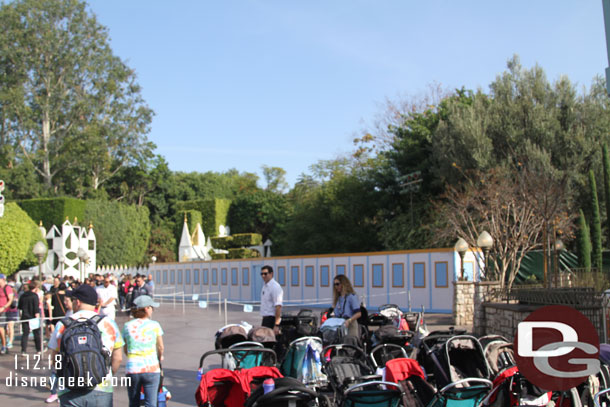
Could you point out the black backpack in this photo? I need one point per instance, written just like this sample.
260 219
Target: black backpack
83 356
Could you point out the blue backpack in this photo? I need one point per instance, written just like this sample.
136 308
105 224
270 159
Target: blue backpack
84 361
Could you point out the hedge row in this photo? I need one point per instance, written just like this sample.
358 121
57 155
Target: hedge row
242 253
213 212
54 211
19 234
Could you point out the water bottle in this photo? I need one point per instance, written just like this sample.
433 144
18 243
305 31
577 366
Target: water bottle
268 385
199 374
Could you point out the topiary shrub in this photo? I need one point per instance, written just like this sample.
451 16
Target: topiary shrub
218 256
122 232
242 253
18 234
53 211
225 242
214 213
247 239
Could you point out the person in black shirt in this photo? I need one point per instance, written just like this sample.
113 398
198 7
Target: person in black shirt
30 308
139 289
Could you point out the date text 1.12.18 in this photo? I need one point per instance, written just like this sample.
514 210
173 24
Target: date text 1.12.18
38 362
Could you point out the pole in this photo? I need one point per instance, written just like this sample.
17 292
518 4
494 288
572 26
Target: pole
219 304
207 297
226 312
41 310
183 300
174 298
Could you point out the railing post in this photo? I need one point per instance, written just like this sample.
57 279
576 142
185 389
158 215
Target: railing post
226 312
219 304
183 301
174 298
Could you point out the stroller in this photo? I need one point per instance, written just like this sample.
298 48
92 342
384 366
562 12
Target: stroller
345 365
228 388
238 357
229 335
303 362
511 389
454 358
462 393
498 353
293 327
375 393
409 375
264 336
385 352
288 392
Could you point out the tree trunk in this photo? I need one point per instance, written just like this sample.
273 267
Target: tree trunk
46 162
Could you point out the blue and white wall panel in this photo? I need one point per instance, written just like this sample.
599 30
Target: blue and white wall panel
415 278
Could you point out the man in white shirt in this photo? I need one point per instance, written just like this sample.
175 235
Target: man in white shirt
271 300
107 295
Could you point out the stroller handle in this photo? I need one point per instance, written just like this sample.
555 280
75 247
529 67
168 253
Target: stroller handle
250 344
374 382
486 382
598 395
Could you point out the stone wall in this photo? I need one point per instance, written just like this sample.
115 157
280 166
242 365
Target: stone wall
502 319
484 291
463 303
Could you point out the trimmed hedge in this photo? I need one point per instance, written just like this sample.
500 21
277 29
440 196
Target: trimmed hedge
243 253
225 242
53 211
18 234
247 239
214 213
218 256
122 232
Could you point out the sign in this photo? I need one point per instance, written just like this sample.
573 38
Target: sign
195 297
203 304
557 348
248 308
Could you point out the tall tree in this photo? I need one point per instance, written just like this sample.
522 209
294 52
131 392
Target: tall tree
275 177
583 243
596 225
67 101
606 163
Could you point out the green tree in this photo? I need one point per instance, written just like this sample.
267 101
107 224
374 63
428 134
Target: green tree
583 243
275 178
596 225
65 95
263 212
606 162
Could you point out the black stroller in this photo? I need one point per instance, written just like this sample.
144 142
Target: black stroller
288 392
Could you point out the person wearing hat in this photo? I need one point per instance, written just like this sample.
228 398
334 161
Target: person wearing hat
6 298
84 300
144 350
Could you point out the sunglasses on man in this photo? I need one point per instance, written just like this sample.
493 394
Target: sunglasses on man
264 274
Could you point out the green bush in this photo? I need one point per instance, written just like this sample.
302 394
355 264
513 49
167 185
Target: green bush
243 253
122 232
214 213
218 256
18 234
53 211
225 242
247 239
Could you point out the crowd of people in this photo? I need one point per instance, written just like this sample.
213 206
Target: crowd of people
72 307
90 308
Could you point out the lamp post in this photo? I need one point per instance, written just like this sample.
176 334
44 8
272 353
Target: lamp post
40 251
558 246
485 242
461 246
83 258
154 259
61 260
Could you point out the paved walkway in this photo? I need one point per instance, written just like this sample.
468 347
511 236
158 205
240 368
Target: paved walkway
187 336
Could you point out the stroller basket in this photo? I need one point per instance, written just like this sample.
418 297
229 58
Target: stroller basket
463 393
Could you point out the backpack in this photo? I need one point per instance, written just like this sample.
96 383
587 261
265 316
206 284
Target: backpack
83 356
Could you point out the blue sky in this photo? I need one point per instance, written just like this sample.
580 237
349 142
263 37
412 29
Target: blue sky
241 84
